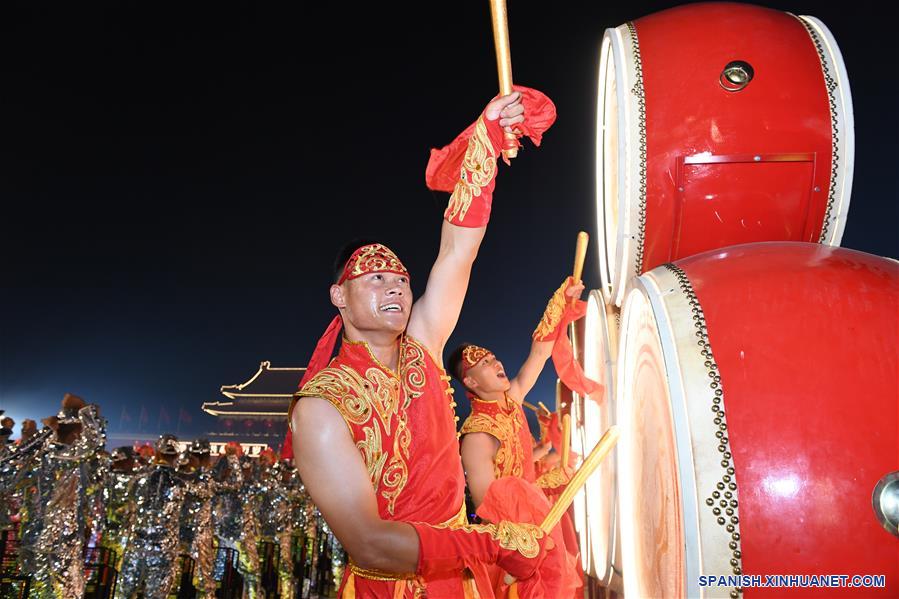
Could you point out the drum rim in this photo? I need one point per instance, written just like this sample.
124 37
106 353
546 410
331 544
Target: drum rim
652 296
843 113
683 335
616 269
598 302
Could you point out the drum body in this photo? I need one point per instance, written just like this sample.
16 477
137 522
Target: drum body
689 161
758 390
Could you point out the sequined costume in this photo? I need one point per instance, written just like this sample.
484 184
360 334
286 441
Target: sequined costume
227 510
248 543
150 564
119 512
17 475
58 529
279 488
202 491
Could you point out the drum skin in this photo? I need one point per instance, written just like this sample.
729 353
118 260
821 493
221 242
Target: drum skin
803 347
700 167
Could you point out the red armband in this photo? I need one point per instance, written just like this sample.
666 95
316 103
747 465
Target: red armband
517 548
560 312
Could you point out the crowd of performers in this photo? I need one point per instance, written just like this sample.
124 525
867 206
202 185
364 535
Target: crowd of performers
155 521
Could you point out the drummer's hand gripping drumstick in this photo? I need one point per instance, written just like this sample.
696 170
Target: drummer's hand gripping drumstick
580 254
503 65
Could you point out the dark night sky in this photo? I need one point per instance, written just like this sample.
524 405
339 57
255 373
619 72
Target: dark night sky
174 184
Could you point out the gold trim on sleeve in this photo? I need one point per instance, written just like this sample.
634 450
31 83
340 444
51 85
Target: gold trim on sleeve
478 169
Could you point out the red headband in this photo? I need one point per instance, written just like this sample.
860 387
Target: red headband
372 258
471 355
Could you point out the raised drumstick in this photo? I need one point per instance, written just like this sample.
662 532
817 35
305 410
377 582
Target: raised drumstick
580 254
503 65
566 440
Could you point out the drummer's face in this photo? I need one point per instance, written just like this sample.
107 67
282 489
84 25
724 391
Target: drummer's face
487 375
378 301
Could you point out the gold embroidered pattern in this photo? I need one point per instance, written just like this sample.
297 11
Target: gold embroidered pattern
552 315
355 396
373 258
505 427
371 574
373 402
478 169
471 355
372 452
553 479
512 536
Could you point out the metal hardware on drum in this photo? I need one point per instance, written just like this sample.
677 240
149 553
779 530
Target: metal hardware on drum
736 75
885 501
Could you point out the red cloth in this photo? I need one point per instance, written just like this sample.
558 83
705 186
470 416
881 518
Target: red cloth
514 499
568 369
560 312
442 172
321 355
467 166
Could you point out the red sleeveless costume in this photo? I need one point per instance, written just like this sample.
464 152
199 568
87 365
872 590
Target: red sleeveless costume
506 423
404 425
523 502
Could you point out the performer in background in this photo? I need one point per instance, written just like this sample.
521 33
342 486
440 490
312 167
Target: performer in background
118 494
374 432
201 491
496 439
57 526
497 442
150 564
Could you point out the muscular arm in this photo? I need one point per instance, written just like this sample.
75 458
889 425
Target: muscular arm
526 378
337 481
478 451
435 314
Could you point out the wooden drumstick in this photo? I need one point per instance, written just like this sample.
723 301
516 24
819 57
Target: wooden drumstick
544 408
530 406
580 254
597 455
503 65
566 440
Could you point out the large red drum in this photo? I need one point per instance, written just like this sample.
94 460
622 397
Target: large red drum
757 396
718 124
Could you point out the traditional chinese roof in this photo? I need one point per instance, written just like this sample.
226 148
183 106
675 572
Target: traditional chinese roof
266 395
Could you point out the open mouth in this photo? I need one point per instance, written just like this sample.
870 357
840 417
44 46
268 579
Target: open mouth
501 374
391 308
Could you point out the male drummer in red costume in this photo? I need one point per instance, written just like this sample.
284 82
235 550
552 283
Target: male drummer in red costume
374 434
497 442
